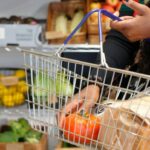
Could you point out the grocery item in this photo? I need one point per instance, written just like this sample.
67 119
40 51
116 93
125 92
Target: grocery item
19 131
61 24
81 128
112 2
45 85
63 85
125 124
95 5
78 16
66 24
20 74
13 88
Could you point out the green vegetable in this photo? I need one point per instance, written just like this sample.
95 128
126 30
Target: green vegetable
63 86
67 145
43 84
20 128
61 24
16 127
24 123
33 136
46 85
8 137
76 20
20 131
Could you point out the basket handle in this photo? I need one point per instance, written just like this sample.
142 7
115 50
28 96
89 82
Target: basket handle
100 11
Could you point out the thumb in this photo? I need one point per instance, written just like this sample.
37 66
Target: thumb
139 8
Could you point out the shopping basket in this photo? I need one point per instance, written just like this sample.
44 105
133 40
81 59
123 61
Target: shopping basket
107 108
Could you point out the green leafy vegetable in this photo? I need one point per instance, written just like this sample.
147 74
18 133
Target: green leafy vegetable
16 127
44 85
24 123
33 136
20 131
8 137
20 127
63 86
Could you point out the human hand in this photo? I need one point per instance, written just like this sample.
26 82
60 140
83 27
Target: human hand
83 100
134 28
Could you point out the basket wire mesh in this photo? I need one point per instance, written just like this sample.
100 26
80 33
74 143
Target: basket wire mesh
111 112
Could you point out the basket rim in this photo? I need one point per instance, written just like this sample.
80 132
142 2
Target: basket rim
98 66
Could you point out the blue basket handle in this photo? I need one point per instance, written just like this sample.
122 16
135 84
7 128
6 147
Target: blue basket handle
100 11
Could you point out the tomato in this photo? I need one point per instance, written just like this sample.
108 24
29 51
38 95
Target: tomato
82 129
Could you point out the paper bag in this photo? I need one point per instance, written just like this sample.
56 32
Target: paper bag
120 129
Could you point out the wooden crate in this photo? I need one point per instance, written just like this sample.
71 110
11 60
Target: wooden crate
69 8
94 39
42 145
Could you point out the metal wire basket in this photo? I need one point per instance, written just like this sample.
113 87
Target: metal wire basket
107 108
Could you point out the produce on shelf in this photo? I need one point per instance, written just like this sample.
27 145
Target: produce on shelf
109 5
61 24
108 8
13 94
33 136
94 16
20 74
19 131
112 2
65 24
8 137
81 128
76 19
95 5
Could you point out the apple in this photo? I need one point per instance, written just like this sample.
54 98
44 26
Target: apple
95 5
112 2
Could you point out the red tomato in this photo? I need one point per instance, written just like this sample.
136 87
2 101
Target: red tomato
82 129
